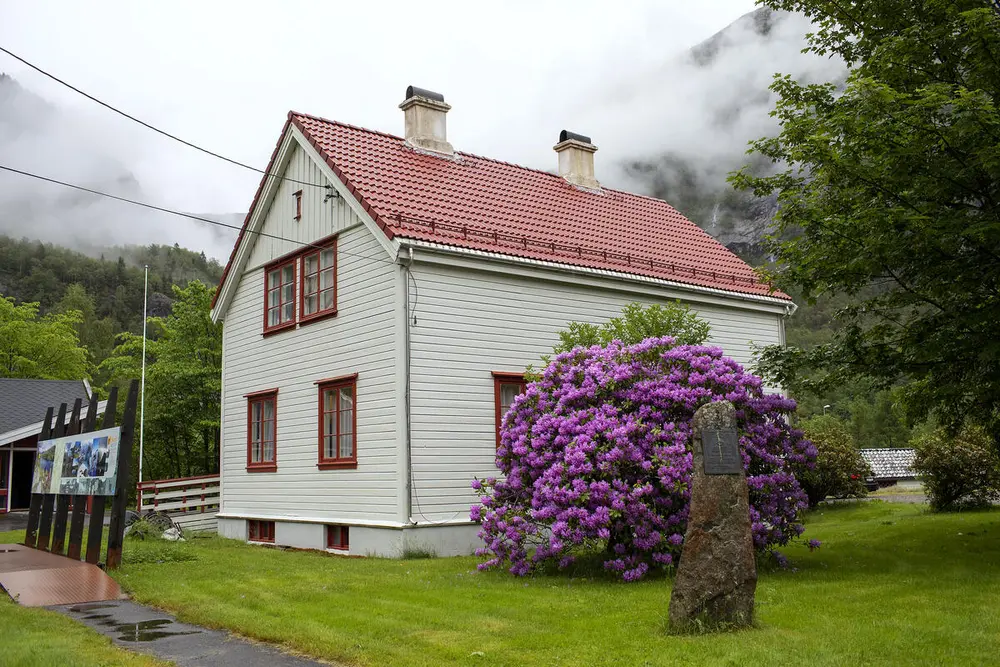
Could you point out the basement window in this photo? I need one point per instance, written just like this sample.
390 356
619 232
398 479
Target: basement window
338 538
261 531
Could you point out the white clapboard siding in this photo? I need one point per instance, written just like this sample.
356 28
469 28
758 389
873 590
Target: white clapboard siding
320 217
469 323
359 339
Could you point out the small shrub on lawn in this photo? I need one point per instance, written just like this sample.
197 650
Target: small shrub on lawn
142 529
958 472
595 454
840 470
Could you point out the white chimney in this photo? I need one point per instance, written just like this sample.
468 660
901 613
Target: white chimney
576 159
424 114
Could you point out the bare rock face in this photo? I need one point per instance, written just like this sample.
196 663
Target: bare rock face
717 575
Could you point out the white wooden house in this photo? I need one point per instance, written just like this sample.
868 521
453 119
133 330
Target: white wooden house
383 299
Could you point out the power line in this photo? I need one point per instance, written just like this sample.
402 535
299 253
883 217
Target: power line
180 213
152 127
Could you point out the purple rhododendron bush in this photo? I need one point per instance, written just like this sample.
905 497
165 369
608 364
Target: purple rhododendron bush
596 455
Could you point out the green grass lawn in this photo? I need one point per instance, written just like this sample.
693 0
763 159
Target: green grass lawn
892 584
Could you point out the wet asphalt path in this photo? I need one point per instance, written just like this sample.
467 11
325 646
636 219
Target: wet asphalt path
143 629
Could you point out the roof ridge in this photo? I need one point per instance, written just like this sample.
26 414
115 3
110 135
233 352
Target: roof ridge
477 156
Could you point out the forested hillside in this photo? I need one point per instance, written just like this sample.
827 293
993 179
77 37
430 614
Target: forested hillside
107 290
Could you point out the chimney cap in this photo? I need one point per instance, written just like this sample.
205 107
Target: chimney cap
413 91
566 135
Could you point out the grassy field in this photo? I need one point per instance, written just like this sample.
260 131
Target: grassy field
892 584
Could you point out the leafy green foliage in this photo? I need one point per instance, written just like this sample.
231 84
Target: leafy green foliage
183 385
889 194
839 471
958 472
636 324
41 347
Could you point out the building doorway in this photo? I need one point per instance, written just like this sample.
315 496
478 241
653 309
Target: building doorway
20 482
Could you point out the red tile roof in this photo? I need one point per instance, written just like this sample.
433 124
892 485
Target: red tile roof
482 204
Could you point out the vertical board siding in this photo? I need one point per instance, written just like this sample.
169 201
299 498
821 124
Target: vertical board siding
319 218
470 323
359 339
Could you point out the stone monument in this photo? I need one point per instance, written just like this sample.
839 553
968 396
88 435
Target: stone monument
717 574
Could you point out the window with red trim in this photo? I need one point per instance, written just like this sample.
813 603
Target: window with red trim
298 204
319 282
260 531
279 296
338 446
506 387
262 419
338 537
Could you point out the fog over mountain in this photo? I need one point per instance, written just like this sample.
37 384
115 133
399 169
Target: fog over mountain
38 137
673 131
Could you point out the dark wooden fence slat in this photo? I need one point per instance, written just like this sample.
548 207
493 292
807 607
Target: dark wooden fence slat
96 530
35 509
49 501
116 531
62 502
78 517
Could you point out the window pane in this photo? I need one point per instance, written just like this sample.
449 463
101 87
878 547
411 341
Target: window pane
274 278
273 317
269 451
508 392
269 431
255 408
288 273
329 423
329 449
255 452
310 284
309 264
268 409
329 396
346 398
327 258
288 311
274 297
346 442
309 305
327 299
326 279
287 293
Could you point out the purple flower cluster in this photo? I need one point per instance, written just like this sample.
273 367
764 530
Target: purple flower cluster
595 454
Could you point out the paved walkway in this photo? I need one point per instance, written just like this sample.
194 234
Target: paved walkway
139 628
13 521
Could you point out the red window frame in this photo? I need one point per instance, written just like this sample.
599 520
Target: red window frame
260 531
338 537
262 397
500 379
303 279
334 462
298 204
280 266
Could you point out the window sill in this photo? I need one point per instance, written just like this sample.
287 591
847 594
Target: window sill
337 465
279 328
266 542
271 467
309 319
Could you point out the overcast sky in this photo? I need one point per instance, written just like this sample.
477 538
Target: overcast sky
223 74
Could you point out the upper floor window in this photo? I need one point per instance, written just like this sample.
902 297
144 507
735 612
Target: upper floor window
338 423
298 204
506 387
319 282
279 296
262 420
302 287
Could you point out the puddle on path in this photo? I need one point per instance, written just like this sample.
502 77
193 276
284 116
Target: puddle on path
143 631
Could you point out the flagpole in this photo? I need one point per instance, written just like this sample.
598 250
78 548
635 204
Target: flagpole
142 390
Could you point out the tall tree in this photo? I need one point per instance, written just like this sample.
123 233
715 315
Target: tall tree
45 348
183 384
889 192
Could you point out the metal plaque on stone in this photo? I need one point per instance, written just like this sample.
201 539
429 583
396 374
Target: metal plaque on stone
721 452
